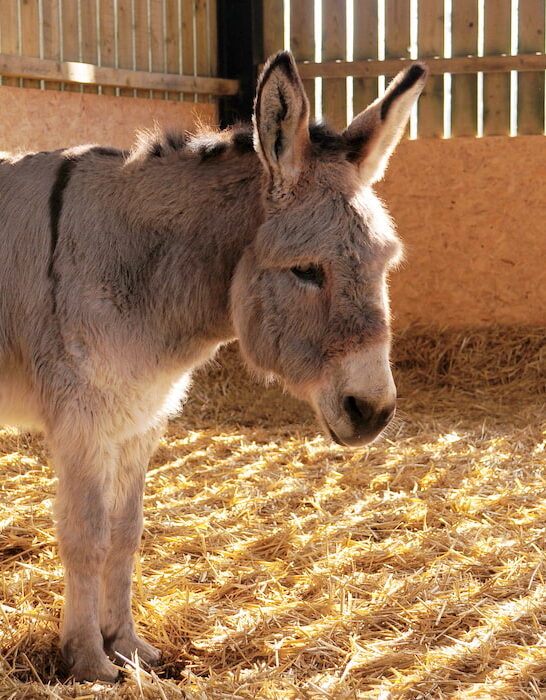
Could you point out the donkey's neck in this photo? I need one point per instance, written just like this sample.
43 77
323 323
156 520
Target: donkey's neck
202 213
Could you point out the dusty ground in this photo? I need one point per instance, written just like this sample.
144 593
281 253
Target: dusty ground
275 565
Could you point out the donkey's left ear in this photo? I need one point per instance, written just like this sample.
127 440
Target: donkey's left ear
281 122
375 132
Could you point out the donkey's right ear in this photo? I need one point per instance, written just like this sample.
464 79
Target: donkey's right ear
374 133
281 122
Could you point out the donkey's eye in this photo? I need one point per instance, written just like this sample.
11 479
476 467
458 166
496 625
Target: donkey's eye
313 274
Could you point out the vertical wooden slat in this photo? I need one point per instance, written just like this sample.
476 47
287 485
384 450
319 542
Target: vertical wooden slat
397 31
365 45
9 23
201 41
172 38
431 43
30 34
496 87
213 38
334 46
464 88
273 27
302 40
397 28
125 40
107 39
213 44
52 45
70 32
531 85
188 67
156 42
141 41
88 11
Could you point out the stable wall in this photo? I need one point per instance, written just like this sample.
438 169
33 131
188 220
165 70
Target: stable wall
48 119
472 213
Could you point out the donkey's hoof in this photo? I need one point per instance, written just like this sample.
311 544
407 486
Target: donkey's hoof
87 661
99 669
130 645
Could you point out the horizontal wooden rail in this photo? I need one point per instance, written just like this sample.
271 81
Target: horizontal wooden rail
437 66
89 74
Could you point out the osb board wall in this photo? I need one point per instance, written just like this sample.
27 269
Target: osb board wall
48 119
472 213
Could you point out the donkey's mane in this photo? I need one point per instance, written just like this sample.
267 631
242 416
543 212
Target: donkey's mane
205 144
238 139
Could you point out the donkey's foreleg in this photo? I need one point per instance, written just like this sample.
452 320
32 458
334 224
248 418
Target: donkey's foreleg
116 620
83 527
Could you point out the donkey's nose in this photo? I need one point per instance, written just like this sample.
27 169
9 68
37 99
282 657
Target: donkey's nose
367 419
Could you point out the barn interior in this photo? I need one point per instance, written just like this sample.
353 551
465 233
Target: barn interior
275 564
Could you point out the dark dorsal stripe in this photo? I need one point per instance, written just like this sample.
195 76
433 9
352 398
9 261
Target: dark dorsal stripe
55 209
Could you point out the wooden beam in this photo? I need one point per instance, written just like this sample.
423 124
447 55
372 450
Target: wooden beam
89 74
437 66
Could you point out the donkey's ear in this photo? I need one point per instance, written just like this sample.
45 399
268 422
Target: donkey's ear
281 121
375 132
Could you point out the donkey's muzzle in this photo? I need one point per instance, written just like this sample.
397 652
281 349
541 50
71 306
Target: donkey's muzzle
366 419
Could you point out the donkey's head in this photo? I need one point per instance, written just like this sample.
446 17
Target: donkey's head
309 297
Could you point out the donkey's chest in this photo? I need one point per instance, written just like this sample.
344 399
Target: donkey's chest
139 394
142 406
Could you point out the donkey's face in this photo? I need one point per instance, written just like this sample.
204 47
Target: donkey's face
309 298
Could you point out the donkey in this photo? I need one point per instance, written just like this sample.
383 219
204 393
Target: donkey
121 272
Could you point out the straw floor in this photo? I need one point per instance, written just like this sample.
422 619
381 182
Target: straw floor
276 565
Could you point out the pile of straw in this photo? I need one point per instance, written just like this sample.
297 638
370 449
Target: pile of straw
276 565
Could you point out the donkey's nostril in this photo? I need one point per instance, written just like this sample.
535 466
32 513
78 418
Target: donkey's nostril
366 419
359 411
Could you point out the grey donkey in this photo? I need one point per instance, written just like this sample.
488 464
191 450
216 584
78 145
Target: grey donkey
121 272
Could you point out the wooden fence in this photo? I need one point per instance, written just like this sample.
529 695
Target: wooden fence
164 49
473 48
487 57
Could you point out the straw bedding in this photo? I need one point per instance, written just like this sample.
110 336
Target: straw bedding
276 565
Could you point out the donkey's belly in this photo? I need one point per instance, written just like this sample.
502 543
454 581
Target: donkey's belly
18 401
